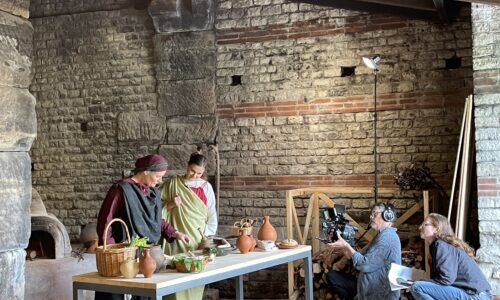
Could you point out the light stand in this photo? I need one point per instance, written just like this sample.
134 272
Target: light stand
372 63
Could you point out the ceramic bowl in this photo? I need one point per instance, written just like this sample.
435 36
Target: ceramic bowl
231 240
266 245
224 250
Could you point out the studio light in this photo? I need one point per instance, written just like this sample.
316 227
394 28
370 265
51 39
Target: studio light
372 63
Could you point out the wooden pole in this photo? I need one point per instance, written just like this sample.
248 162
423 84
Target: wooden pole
426 213
463 209
315 224
457 160
289 234
309 216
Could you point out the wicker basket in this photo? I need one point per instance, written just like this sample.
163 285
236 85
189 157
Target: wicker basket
179 266
109 257
245 225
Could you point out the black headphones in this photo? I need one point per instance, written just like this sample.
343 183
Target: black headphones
389 213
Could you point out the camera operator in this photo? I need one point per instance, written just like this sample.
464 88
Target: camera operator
372 262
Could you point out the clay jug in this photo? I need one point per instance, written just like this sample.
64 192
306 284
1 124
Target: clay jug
267 231
159 257
129 268
254 243
147 264
244 242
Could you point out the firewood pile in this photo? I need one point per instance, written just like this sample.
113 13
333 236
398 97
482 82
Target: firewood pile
323 261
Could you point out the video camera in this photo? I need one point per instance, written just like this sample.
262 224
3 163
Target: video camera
335 222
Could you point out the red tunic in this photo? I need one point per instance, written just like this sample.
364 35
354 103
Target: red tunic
200 193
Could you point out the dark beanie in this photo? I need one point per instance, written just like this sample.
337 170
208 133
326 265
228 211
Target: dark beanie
152 162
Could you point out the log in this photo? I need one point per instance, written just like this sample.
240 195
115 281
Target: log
316 268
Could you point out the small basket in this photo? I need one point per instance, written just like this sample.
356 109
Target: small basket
235 231
245 225
179 266
109 257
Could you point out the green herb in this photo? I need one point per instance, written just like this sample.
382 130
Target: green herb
188 262
198 265
139 242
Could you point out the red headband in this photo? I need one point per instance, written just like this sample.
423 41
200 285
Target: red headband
152 162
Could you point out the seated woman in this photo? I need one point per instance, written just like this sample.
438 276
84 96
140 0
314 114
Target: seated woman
454 272
189 205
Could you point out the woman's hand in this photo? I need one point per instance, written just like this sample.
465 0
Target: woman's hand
182 236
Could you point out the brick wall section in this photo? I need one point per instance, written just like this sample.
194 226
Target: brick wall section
488 187
338 144
338 105
486 32
294 121
285 68
88 69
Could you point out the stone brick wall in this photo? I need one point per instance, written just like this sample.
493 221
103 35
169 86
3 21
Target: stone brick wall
486 34
288 118
96 98
294 116
285 116
17 132
44 8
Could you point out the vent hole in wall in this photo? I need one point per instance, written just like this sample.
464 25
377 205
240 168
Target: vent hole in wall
236 80
347 71
453 62
84 126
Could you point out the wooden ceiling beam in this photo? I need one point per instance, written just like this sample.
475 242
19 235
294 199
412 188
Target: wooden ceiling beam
373 7
414 4
492 2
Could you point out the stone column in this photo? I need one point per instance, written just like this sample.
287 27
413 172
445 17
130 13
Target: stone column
185 71
486 59
17 132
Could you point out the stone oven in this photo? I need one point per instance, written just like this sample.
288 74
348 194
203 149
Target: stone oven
49 238
49 264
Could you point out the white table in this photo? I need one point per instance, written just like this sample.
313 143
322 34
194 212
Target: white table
170 281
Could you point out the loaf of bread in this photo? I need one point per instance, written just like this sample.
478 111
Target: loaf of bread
289 242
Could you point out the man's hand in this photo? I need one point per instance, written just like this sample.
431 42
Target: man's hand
182 236
341 247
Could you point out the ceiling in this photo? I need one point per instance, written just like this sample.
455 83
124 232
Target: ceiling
437 10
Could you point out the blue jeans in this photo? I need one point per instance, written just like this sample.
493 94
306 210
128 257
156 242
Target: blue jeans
342 284
426 290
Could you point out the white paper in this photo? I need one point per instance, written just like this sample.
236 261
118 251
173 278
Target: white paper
401 277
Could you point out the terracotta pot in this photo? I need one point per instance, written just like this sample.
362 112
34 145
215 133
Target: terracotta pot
267 231
244 243
159 257
129 268
147 264
254 243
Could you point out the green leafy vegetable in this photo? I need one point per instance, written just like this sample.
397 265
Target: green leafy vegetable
189 262
139 242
